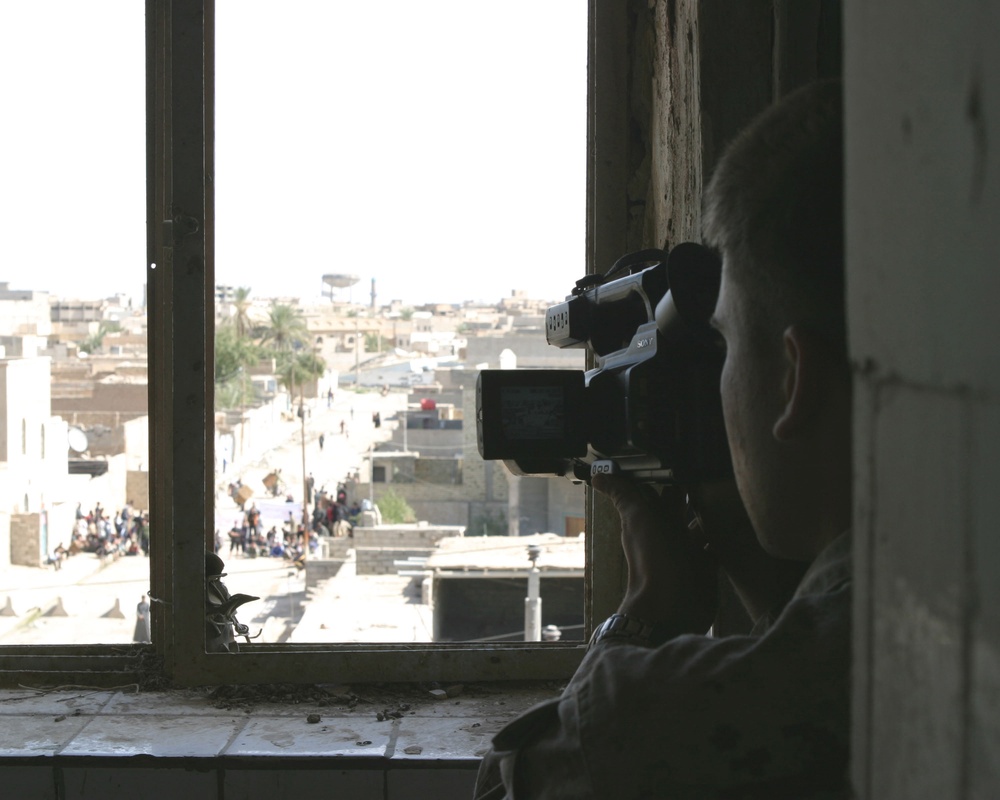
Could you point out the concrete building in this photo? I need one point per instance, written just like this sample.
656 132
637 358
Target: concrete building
34 477
476 586
24 312
432 461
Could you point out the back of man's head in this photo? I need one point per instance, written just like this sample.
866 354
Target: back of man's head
774 210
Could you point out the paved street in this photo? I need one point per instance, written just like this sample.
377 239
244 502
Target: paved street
88 601
341 453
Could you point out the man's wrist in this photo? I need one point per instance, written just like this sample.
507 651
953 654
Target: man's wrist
633 630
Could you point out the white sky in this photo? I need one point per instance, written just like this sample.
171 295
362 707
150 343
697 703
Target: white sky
438 147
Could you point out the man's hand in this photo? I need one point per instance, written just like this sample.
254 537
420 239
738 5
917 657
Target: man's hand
671 579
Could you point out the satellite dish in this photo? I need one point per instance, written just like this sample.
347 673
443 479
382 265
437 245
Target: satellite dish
77 440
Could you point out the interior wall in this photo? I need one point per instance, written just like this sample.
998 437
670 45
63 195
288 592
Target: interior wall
923 245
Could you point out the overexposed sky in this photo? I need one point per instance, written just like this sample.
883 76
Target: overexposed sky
437 147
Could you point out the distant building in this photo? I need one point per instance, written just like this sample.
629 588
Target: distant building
33 463
224 294
432 461
24 312
476 586
69 312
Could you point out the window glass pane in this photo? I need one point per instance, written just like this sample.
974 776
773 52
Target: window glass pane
73 440
399 197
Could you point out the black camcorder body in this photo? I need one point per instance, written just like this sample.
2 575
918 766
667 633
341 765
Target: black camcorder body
649 408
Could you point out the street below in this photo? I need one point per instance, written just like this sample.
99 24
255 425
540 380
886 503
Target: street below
89 601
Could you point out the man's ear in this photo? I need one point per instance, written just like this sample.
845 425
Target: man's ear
802 388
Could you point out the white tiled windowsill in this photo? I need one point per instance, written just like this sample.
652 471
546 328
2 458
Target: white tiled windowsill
179 744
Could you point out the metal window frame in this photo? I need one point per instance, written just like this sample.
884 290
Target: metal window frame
180 280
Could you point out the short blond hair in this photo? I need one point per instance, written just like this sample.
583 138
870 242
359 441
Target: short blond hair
774 210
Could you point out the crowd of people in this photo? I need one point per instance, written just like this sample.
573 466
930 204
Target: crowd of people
332 515
124 533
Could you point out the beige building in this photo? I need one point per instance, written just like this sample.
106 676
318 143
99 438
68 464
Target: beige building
34 479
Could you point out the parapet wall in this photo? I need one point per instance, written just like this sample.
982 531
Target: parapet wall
376 549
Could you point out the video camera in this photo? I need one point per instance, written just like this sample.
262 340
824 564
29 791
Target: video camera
651 407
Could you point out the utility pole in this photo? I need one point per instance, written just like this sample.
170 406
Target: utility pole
533 602
371 473
357 356
305 478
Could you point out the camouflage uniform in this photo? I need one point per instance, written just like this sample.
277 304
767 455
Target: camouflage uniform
762 716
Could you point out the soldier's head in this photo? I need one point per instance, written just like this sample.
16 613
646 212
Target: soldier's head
774 211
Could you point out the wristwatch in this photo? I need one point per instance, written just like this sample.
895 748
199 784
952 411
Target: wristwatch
633 630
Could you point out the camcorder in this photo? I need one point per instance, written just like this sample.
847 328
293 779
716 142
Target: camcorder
650 407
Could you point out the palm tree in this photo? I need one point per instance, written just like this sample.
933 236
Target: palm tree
285 329
234 355
95 341
241 305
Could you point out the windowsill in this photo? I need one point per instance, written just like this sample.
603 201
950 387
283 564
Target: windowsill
66 725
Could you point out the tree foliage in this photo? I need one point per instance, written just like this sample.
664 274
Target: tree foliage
239 346
488 523
295 370
394 508
95 341
234 356
285 330
241 305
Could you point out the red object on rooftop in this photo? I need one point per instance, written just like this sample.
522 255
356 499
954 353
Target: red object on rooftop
427 404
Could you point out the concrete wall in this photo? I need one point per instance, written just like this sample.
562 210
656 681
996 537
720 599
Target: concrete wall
530 348
493 607
333 554
441 471
376 549
137 489
565 499
261 430
440 503
4 540
61 519
105 434
24 404
27 549
529 506
137 443
128 399
923 246
33 460
541 505
110 488
448 491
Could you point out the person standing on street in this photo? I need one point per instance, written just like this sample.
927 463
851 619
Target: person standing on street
142 621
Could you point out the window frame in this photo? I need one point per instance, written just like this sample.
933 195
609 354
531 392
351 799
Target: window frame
180 304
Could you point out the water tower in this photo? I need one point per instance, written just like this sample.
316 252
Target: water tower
337 280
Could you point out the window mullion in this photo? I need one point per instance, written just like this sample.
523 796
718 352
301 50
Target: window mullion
182 396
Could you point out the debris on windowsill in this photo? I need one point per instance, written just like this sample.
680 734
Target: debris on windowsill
397 713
